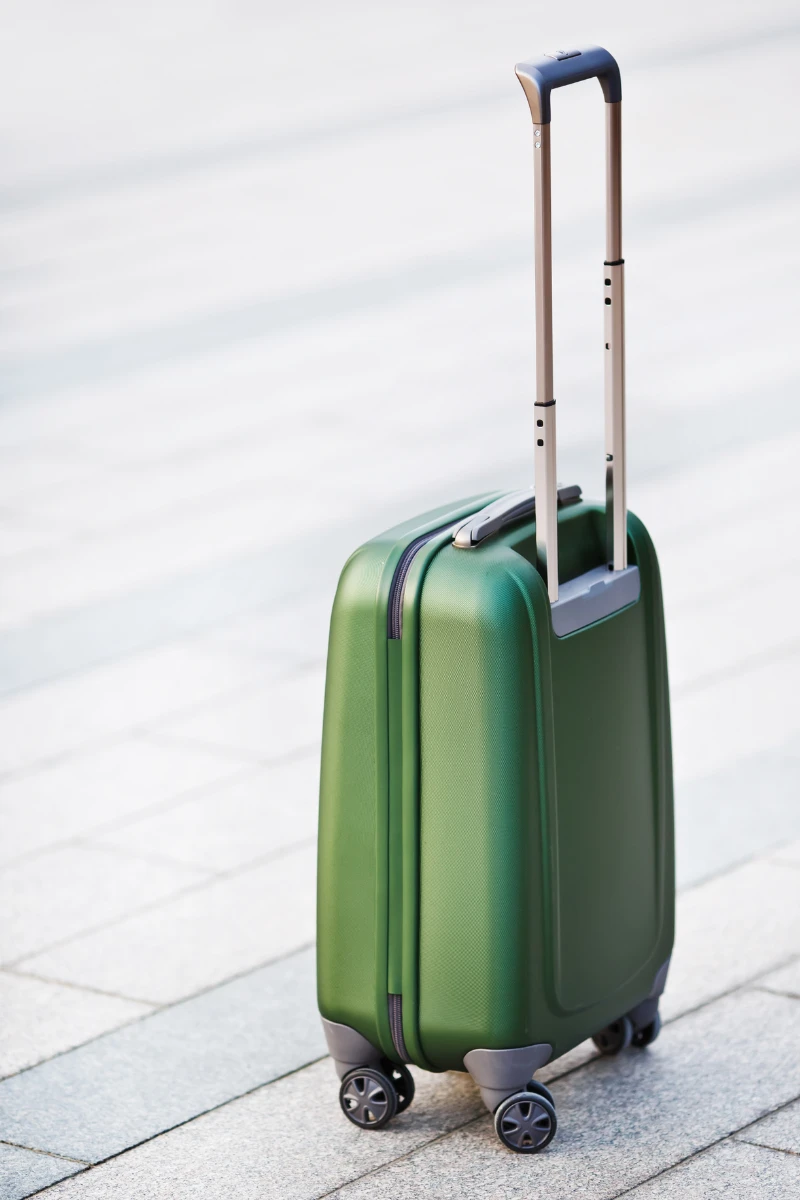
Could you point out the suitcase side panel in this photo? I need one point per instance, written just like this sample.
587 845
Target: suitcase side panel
480 895
613 798
351 882
512 737
354 872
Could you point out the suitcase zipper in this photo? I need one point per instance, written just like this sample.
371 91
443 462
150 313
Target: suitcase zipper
398 585
396 1025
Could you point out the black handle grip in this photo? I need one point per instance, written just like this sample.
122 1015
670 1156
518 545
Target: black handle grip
567 66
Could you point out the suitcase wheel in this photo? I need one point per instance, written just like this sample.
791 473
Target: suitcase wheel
403 1082
368 1098
647 1035
539 1089
526 1122
615 1037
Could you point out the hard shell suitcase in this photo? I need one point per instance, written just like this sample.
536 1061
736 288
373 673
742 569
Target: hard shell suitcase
496 832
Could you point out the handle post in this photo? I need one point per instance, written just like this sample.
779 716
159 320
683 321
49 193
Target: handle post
538 79
544 456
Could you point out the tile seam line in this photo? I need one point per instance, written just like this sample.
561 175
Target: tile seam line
78 987
157 1008
104 742
737 1137
764 858
84 1162
179 1124
303 751
141 910
248 769
152 810
211 873
732 1136
776 991
151 732
784 650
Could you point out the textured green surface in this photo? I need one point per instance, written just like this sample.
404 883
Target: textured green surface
496 806
354 878
546 856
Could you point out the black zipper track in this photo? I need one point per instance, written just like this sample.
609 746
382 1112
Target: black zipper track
396 1025
398 587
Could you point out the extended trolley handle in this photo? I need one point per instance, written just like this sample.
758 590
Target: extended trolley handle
538 80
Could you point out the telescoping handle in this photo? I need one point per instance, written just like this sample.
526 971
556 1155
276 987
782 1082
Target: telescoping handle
538 80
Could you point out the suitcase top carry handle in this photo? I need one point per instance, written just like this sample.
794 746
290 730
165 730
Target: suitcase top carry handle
567 66
538 79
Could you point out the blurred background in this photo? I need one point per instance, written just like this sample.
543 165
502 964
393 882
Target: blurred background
266 288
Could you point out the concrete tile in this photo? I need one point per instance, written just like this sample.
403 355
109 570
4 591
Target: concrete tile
61 893
115 563
716 822
731 1169
789 853
620 1121
715 634
275 1162
780 1130
24 1171
154 1074
786 981
736 717
300 628
42 1019
227 826
265 723
197 940
72 712
731 929
97 788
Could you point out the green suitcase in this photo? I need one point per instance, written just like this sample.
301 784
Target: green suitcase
496 850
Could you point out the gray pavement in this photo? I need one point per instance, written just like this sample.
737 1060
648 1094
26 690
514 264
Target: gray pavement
266 286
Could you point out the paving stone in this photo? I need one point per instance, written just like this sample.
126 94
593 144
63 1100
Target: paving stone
716 822
301 627
786 980
780 1130
266 723
42 1019
789 853
97 788
70 713
61 893
26 1171
198 939
731 929
751 711
731 1169
226 826
620 1121
265 1157
149 1076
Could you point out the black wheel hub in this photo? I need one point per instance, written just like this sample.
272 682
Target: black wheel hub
368 1098
526 1122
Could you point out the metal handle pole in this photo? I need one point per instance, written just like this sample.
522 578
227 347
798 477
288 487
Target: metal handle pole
538 79
614 296
545 405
